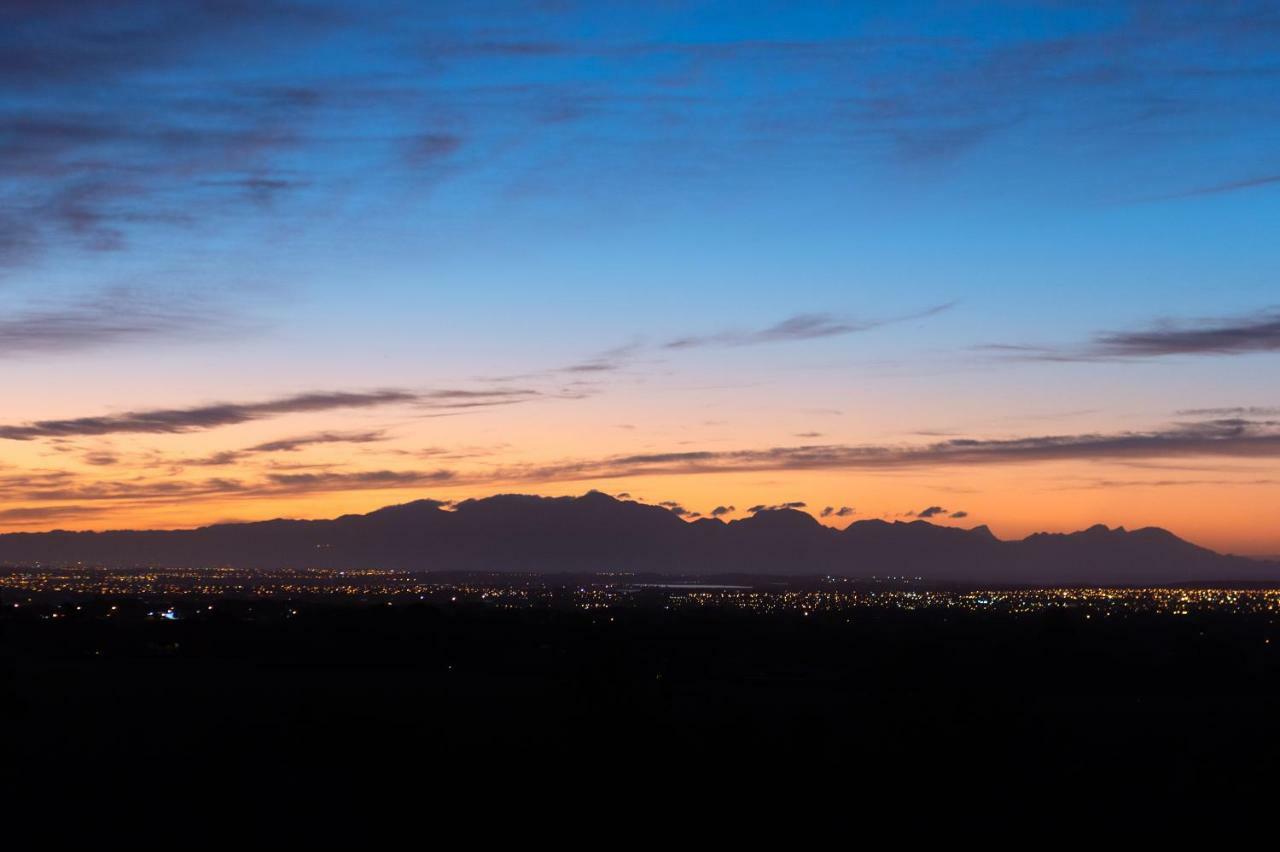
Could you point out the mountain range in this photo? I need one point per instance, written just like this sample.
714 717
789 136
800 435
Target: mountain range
599 533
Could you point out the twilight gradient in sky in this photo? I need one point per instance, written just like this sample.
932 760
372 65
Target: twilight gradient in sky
1004 263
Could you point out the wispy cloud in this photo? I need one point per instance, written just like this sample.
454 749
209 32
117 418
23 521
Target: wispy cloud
62 487
101 459
763 507
115 316
1219 188
932 512
678 510
214 415
1093 484
1258 332
174 420
42 515
86 161
1232 411
1218 439
796 328
475 398
337 481
793 329
1225 438
285 445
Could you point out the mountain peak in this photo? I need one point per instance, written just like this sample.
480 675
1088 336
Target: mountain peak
778 519
423 505
596 532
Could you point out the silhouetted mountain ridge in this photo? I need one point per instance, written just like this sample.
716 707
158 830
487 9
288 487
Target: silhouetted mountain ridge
596 532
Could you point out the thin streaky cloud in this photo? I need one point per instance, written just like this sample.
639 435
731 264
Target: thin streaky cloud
284 445
1256 333
1167 483
20 515
337 481
214 415
1232 411
1260 333
115 316
1227 438
57 488
1221 439
175 420
798 327
1218 188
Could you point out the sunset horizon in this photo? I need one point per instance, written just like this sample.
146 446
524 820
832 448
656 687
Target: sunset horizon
526 413
1009 261
357 452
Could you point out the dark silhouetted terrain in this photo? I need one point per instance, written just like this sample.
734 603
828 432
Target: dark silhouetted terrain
596 532
632 709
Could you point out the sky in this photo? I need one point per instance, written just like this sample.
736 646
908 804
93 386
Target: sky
1001 263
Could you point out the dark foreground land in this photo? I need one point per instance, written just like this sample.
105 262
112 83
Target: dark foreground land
668 698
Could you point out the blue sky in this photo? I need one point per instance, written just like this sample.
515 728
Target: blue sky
231 200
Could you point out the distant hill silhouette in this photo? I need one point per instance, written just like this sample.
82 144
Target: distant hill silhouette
596 532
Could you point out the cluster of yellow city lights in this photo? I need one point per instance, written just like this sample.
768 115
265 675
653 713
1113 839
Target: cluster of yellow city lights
609 590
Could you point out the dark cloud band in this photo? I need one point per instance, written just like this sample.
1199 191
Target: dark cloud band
173 420
1232 438
1256 333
